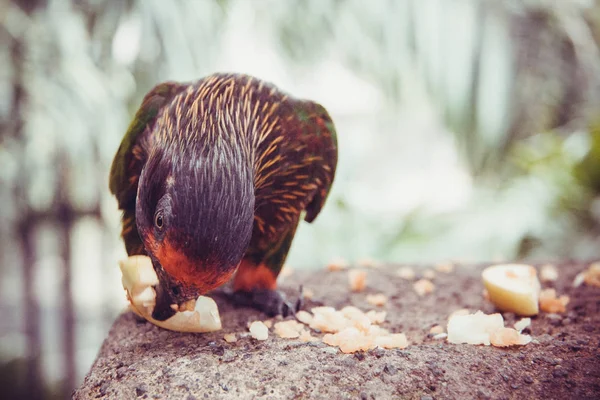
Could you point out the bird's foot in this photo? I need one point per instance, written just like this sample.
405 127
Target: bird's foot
271 302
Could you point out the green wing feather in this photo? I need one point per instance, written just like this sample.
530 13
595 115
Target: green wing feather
131 156
311 154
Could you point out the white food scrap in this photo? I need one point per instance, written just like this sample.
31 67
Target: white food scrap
522 324
429 274
550 303
480 328
378 299
230 337
259 331
423 287
357 279
548 273
308 293
350 329
444 267
304 316
592 275
338 264
435 330
406 273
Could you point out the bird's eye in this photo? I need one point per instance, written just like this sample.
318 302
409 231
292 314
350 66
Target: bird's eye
158 220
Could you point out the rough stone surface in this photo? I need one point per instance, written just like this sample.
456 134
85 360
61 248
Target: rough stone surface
139 360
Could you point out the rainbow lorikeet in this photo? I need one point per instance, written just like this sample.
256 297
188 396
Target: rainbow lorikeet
213 177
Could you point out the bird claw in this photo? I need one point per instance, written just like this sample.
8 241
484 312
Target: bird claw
271 302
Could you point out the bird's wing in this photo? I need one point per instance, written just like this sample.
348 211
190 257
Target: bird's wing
131 156
297 171
320 135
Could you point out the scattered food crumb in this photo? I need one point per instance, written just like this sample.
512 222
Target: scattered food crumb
548 273
376 317
439 336
551 304
423 287
444 267
480 328
308 293
357 279
305 336
393 341
579 279
592 275
259 330
505 337
304 316
406 273
378 299
338 264
522 324
230 337
289 329
429 274
436 330
268 323
349 328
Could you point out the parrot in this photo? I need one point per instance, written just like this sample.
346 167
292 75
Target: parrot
212 177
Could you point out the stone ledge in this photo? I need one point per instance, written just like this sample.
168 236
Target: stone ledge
139 360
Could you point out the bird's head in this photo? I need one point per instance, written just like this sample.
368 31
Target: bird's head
194 213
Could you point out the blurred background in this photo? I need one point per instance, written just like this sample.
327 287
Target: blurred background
468 131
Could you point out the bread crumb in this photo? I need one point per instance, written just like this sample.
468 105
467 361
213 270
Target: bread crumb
350 329
480 328
268 323
429 274
230 337
304 317
337 264
393 341
406 273
439 336
308 293
357 279
522 324
436 330
548 273
444 267
592 275
551 304
289 329
376 317
259 330
305 336
423 287
377 299
473 328
505 337
579 279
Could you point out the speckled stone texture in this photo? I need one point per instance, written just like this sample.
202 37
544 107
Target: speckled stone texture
139 360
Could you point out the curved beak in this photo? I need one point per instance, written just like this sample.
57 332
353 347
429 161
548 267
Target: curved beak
171 296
